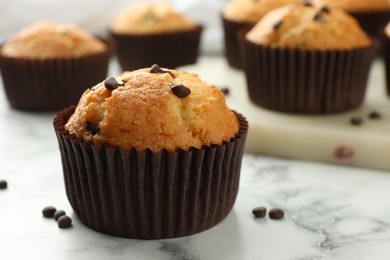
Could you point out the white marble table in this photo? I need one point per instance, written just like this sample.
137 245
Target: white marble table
332 212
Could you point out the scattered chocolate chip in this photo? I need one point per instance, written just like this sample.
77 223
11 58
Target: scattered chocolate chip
259 212
58 214
91 127
156 69
180 90
64 222
111 83
276 213
343 153
277 24
356 121
48 212
318 17
3 184
307 3
225 91
325 10
375 115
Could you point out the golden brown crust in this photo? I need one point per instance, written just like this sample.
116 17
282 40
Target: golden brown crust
146 114
251 11
151 18
356 5
48 40
307 27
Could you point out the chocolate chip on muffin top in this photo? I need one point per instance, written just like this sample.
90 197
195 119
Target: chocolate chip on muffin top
309 27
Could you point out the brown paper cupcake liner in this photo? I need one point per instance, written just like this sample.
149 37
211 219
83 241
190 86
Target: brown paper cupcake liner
51 84
169 50
231 38
306 82
150 195
372 22
386 45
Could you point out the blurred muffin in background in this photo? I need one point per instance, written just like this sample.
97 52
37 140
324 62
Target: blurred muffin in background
307 60
155 33
240 14
47 66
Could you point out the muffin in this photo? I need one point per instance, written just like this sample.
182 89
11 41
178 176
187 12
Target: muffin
154 153
155 33
48 66
240 14
309 60
372 15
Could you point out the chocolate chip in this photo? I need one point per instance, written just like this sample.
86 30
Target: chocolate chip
48 212
343 152
277 24
318 17
91 127
375 115
276 213
111 83
325 10
259 212
356 121
307 3
3 184
156 69
180 90
225 91
64 222
58 214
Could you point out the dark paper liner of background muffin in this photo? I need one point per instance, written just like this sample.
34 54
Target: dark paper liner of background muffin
373 23
169 50
231 39
304 81
386 44
51 84
148 195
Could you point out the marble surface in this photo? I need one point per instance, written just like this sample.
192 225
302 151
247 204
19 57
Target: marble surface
332 212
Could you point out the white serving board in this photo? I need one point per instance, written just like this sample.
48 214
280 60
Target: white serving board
309 137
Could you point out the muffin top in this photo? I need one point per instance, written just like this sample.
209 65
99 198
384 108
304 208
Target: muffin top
154 108
47 40
307 27
151 18
355 5
251 11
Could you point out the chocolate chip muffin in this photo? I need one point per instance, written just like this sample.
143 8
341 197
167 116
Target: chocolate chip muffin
305 59
240 14
140 29
153 153
51 65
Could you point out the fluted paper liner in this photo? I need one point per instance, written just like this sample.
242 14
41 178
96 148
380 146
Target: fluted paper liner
304 81
169 50
51 84
386 41
150 195
231 38
372 21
